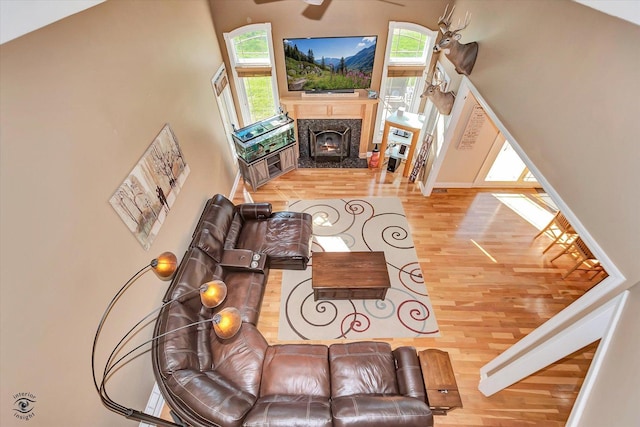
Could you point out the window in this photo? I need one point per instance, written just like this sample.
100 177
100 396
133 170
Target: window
408 47
251 57
408 54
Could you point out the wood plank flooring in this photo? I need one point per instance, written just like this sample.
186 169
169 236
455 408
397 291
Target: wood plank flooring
487 278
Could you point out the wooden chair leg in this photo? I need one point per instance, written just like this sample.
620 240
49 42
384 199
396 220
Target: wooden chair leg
541 232
560 254
552 243
575 267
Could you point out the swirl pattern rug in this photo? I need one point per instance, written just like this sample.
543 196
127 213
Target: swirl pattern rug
364 224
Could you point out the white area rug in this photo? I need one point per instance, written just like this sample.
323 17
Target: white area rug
365 224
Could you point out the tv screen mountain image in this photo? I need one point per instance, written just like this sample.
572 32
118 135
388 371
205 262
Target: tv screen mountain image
329 63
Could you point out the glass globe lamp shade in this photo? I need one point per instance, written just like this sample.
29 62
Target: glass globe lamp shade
213 293
227 322
165 265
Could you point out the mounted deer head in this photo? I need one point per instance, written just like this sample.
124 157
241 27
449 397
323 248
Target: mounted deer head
462 56
442 100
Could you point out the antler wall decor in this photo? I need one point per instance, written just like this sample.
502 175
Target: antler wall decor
462 56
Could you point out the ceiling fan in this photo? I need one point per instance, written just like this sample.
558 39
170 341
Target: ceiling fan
316 8
319 2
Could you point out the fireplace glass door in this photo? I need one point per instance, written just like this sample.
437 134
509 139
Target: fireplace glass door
329 145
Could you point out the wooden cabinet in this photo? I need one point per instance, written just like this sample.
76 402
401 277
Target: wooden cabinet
268 167
439 381
289 159
310 111
344 110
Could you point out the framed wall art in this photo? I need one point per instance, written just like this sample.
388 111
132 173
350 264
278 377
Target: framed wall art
144 199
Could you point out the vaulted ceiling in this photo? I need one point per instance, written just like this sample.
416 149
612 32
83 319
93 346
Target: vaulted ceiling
19 17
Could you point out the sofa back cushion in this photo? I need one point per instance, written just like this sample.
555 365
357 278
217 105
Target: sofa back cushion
296 369
216 219
234 232
176 350
240 358
362 368
180 347
209 244
195 269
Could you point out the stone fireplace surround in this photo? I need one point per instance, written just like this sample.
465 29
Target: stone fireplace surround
306 160
326 107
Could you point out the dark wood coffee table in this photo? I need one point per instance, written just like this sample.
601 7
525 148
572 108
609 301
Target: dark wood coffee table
349 275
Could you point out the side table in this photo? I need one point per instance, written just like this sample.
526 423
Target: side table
439 381
409 122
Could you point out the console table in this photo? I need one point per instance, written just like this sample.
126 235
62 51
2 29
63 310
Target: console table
336 107
408 122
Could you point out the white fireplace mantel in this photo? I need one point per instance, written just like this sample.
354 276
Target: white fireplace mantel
336 107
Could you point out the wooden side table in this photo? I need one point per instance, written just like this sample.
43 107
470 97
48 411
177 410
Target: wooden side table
439 381
409 122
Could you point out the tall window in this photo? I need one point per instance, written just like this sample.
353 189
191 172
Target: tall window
407 57
251 56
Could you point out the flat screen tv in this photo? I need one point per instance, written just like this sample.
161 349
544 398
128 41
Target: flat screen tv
329 64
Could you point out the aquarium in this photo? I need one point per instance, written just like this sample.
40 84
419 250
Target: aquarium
261 138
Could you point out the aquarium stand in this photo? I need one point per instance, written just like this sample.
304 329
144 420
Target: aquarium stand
266 149
272 165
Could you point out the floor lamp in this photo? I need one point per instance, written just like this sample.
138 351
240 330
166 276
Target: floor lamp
226 323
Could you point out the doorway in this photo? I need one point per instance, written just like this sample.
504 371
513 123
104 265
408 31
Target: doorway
503 167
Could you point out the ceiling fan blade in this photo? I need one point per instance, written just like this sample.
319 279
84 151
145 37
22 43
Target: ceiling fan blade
316 12
391 2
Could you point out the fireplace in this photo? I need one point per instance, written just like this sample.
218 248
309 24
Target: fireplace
329 143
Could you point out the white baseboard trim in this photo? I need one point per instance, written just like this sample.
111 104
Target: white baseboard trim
453 185
154 405
234 188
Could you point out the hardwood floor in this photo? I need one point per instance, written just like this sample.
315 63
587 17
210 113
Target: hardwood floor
488 280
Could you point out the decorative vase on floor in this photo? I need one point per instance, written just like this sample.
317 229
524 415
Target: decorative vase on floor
375 157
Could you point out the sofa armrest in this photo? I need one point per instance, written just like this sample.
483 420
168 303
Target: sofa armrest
410 381
250 211
243 260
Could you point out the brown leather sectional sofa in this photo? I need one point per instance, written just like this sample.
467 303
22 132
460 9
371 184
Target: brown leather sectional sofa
244 381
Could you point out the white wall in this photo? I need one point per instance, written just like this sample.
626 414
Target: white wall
462 162
617 380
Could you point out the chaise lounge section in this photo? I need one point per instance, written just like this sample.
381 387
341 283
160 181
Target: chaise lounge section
244 381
